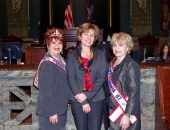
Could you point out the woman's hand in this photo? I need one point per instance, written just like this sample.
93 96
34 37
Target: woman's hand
86 108
80 97
54 119
125 122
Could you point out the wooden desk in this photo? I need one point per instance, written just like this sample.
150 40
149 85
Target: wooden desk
19 67
153 64
34 55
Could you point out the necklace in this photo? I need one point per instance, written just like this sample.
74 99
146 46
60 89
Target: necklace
89 57
59 58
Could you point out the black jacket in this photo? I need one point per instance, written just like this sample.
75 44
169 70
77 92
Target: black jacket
126 76
76 76
53 93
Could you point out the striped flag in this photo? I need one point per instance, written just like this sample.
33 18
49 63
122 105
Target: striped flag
90 11
68 19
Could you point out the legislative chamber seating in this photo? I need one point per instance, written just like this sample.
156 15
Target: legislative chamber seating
164 92
15 52
11 38
148 46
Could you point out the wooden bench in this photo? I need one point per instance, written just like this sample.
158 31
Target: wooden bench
164 92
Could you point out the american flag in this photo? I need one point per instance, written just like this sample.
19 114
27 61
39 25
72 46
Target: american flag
68 19
90 11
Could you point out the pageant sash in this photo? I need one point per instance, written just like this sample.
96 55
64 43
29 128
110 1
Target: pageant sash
49 59
119 98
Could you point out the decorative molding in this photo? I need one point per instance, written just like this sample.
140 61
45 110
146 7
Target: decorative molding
142 4
16 5
141 19
18 18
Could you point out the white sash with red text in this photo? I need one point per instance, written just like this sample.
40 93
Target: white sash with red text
119 98
49 59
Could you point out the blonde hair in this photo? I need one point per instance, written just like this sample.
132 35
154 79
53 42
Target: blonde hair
122 38
86 27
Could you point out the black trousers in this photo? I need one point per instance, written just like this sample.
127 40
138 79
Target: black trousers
90 121
106 113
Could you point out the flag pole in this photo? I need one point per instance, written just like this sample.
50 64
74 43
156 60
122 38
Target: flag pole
50 12
110 13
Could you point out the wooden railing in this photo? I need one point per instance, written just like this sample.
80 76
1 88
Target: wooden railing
164 91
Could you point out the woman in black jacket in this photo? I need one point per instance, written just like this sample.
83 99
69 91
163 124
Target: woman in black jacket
86 68
124 85
53 93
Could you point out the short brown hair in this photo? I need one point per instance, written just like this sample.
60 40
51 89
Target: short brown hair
122 38
51 33
85 28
